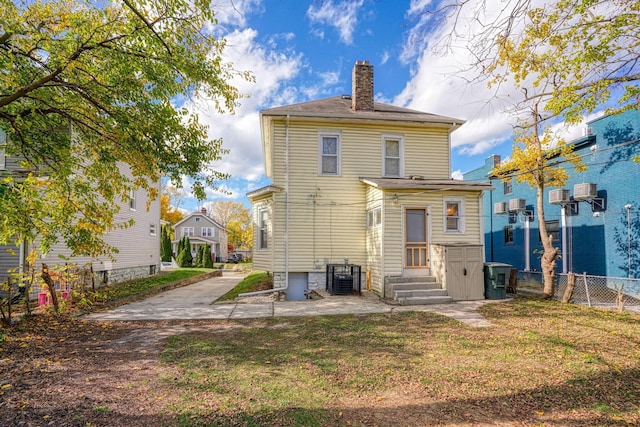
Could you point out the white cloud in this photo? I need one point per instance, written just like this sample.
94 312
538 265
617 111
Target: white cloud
342 16
234 12
457 174
385 57
446 83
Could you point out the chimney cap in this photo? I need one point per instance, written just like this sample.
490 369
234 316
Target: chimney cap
203 211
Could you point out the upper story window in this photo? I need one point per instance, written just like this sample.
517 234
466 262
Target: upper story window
508 186
207 231
263 229
329 150
508 234
187 231
197 219
454 215
132 200
392 151
553 229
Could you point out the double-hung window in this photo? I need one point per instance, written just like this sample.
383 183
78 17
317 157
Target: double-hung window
329 150
374 217
392 152
132 200
507 186
454 215
207 232
508 234
263 229
187 232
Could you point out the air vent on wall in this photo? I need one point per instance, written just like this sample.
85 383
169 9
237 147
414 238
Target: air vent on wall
559 196
517 205
585 191
500 208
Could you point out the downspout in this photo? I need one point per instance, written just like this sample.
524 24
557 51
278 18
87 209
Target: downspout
491 222
286 211
286 224
527 244
565 257
481 212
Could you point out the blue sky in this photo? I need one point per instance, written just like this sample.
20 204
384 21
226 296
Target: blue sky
304 50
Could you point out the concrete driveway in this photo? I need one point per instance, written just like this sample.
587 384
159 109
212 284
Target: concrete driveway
194 302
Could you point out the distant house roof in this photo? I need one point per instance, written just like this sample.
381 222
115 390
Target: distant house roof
200 214
339 110
425 184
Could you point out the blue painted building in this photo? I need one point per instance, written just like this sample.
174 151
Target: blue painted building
594 219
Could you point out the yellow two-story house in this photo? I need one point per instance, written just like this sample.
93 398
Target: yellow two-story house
361 183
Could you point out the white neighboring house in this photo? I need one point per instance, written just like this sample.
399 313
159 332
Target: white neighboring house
138 246
201 229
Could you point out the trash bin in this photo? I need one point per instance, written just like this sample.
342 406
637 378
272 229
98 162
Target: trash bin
496 278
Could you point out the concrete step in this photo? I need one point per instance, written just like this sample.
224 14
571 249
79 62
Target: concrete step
400 279
397 295
415 285
425 300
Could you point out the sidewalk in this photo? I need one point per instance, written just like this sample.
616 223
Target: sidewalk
194 302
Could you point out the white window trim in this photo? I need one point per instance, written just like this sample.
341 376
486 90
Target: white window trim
132 200
338 136
374 217
191 232
263 224
209 229
400 139
461 214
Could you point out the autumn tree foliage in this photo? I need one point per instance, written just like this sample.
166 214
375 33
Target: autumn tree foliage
94 102
564 59
236 218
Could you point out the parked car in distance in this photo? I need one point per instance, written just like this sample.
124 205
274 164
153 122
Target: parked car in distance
239 257
232 258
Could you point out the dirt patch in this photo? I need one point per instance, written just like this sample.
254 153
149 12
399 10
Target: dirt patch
70 372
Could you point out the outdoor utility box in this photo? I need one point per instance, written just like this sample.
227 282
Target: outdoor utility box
343 279
496 279
458 268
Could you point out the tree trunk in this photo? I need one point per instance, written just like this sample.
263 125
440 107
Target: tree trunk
571 283
52 287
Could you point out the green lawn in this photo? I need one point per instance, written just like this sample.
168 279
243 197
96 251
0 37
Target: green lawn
540 364
255 281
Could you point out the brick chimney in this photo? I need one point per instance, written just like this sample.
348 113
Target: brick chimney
362 86
203 211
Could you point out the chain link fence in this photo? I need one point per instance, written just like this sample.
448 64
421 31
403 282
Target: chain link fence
595 291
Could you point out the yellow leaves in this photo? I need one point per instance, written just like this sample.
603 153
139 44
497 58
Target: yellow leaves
6 387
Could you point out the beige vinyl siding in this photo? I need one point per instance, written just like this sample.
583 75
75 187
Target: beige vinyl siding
427 153
262 258
327 214
374 242
394 223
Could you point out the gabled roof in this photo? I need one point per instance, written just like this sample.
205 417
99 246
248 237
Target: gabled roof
338 109
425 184
212 221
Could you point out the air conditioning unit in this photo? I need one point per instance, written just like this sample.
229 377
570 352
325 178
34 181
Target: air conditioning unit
559 196
500 208
585 191
517 205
